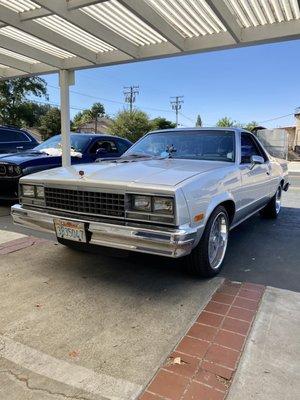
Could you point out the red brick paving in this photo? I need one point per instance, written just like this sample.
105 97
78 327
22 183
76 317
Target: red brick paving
19 244
205 360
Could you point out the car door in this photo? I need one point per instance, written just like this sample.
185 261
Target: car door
255 179
13 141
104 148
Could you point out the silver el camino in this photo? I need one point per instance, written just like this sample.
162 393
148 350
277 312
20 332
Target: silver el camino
175 193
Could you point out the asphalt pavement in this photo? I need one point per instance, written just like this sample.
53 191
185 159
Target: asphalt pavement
260 251
93 326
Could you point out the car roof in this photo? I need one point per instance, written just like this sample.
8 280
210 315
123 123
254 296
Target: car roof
97 135
195 129
13 128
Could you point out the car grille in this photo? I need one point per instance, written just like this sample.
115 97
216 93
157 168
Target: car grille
2 169
111 204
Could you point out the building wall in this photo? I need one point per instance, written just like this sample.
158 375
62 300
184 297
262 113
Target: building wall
89 127
297 134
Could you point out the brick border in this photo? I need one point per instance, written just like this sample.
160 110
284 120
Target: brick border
204 362
19 244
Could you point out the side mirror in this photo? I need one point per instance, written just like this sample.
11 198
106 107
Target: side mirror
256 160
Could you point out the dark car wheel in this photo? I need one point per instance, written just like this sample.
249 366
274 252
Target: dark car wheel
207 257
272 209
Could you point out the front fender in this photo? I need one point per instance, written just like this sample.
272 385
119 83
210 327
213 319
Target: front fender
217 200
213 203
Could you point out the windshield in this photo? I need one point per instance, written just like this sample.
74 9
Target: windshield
194 145
78 143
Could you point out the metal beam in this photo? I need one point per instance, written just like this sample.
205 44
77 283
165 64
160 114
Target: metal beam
33 14
147 14
12 18
43 12
66 78
276 32
29 51
228 20
88 24
7 73
14 63
74 4
24 66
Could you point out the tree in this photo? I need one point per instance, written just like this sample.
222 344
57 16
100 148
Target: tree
161 123
251 125
50 123
32 113
13 93
198 121
91 114
226 122
131 125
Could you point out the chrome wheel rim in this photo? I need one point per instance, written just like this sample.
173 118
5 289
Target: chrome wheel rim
218 239
278 200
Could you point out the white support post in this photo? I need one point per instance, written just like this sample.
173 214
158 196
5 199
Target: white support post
66 78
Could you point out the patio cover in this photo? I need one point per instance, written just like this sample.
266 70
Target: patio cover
46 36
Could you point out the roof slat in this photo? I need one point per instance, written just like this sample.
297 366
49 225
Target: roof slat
41 36
152 17
45 34
89 25
228 20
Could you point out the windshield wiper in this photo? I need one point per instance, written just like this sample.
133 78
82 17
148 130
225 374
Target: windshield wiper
137 155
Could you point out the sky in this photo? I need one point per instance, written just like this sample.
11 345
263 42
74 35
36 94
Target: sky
252 83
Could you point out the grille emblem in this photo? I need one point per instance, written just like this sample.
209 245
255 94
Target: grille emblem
81 174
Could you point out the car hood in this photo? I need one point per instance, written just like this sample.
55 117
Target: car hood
125 173
23 157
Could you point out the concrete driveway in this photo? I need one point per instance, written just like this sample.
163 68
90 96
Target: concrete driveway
90 326
79 325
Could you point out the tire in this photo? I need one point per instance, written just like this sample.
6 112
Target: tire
272 209
200 263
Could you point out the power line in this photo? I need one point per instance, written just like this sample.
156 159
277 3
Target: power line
109 100
130 93
54 104
186 117
145 107
275 118
176 105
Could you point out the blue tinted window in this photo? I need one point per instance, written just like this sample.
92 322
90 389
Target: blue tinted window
12 136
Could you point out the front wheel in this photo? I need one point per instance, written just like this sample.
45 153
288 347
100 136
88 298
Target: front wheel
272 209
207 257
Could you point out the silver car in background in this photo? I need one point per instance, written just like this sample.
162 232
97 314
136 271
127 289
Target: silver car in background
175 193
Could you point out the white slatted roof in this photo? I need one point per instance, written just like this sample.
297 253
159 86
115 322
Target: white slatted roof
43 36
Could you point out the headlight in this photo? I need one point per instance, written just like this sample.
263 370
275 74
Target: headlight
141 203
10 169
40 192
163 205
28 191
17 170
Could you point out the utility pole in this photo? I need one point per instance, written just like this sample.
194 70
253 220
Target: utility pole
176 105
130 93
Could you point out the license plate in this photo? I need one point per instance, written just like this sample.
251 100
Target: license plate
70 230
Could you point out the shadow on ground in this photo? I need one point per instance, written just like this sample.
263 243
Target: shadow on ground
266 251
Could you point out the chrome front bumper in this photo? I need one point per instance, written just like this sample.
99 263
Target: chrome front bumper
165 242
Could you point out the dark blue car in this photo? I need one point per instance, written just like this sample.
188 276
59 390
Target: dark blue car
13 140
85 148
